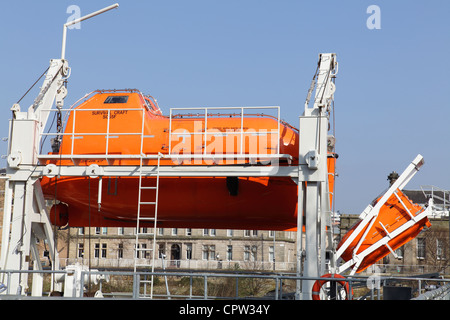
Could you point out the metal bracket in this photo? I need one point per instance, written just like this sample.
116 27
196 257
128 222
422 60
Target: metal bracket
50 170
94 170
313 159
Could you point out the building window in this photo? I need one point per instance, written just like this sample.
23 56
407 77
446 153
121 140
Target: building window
104 230
160 231
209 252
189 232
104 250
440 250
246 253
271 254
137 250
189 251
209 232
81 231
80 250
120 251
120 231
162 251
271 234
212 252
97 250
144 250
248 233
421 248
174 231
399 252
229 233
97 230
229 253
254 253
205 252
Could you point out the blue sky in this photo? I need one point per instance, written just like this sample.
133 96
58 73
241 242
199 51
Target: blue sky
392 88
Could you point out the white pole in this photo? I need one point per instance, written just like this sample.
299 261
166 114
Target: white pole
93 14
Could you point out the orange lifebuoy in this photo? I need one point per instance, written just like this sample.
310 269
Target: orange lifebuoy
319 283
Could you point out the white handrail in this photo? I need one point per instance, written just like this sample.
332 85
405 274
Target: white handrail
241 132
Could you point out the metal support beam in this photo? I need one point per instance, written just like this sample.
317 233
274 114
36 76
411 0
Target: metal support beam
29 222
313 178
312 245
165 171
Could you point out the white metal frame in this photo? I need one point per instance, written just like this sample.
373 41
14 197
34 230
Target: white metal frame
439 209
313 196
153 219
26 219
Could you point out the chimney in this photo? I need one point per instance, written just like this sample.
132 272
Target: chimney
392 177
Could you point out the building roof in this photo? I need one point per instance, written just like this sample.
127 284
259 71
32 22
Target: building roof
421 197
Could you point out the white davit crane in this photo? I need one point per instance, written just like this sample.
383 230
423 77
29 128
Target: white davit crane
313 193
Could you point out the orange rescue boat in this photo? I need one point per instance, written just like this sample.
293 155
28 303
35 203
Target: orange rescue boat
398 222
118 123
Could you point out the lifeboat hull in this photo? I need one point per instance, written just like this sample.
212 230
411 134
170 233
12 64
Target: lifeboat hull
220 203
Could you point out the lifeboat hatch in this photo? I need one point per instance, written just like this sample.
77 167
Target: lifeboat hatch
233 185
112 186
116 99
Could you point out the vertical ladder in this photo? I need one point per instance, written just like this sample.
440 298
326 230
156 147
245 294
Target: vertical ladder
146 199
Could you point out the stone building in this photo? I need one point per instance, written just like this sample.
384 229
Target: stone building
182 248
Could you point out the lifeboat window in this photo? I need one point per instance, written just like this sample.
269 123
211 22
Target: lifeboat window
116 99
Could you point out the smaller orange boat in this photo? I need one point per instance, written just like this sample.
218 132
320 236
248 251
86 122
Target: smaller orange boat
397 222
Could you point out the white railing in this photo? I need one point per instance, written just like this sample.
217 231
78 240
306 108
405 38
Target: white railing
273 135
108 113
441 203
221 112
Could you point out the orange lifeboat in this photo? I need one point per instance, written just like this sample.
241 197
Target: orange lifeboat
398 221
124 123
